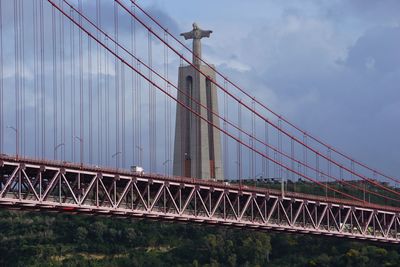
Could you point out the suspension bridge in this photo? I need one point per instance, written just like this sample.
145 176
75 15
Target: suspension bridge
89 89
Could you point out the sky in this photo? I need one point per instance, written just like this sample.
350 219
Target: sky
332 67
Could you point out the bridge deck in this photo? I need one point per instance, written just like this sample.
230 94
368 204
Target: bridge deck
61 186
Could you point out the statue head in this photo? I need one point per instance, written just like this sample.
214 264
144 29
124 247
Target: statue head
195 26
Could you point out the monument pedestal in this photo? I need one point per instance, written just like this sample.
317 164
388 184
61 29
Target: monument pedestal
197 143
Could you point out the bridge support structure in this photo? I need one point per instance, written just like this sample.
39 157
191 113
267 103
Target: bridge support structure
63 187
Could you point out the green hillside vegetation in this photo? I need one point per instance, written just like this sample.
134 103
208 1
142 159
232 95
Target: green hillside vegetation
52 239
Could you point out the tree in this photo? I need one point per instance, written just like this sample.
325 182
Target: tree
81 234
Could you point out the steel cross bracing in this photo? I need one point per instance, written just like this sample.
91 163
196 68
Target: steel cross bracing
60 186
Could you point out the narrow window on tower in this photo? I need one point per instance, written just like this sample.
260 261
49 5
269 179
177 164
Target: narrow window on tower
188 126
210 127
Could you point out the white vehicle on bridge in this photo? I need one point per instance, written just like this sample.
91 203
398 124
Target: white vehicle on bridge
137 170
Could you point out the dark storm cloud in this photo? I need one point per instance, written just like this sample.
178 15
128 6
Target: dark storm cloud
369 9
338 79
125 19
166 20
377 49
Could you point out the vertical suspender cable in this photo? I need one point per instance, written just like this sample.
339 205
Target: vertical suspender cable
90 100
352 169
166 152
35 76
183 146
23 87
123 147
116 66
98 86
90 85
73 89
292 153
253 125
81 118
154 114
107 104
17 73
42 81
62 86
280 147
266 161
134 89
100 107
317 173
151 104
19 132
139 114
239 146
123 118
276 171
54 67
169 114
305 153
329 168
1 83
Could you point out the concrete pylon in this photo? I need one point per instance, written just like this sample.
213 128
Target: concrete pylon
197 143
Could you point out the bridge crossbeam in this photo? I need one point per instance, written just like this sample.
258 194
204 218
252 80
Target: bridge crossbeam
63 187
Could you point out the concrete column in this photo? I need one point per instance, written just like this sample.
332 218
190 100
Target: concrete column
197 143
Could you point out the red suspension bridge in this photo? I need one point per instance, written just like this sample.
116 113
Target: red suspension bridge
86 91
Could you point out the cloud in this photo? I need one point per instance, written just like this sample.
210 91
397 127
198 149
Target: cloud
368 11
340 86
125 19
376 50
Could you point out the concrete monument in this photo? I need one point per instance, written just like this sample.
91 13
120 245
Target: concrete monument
196 34
197 150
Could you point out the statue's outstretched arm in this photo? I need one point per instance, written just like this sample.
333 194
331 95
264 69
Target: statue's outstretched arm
187 35
206 33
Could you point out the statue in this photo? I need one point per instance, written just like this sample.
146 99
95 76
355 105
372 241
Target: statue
196 34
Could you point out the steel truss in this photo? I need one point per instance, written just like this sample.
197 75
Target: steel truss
58 186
